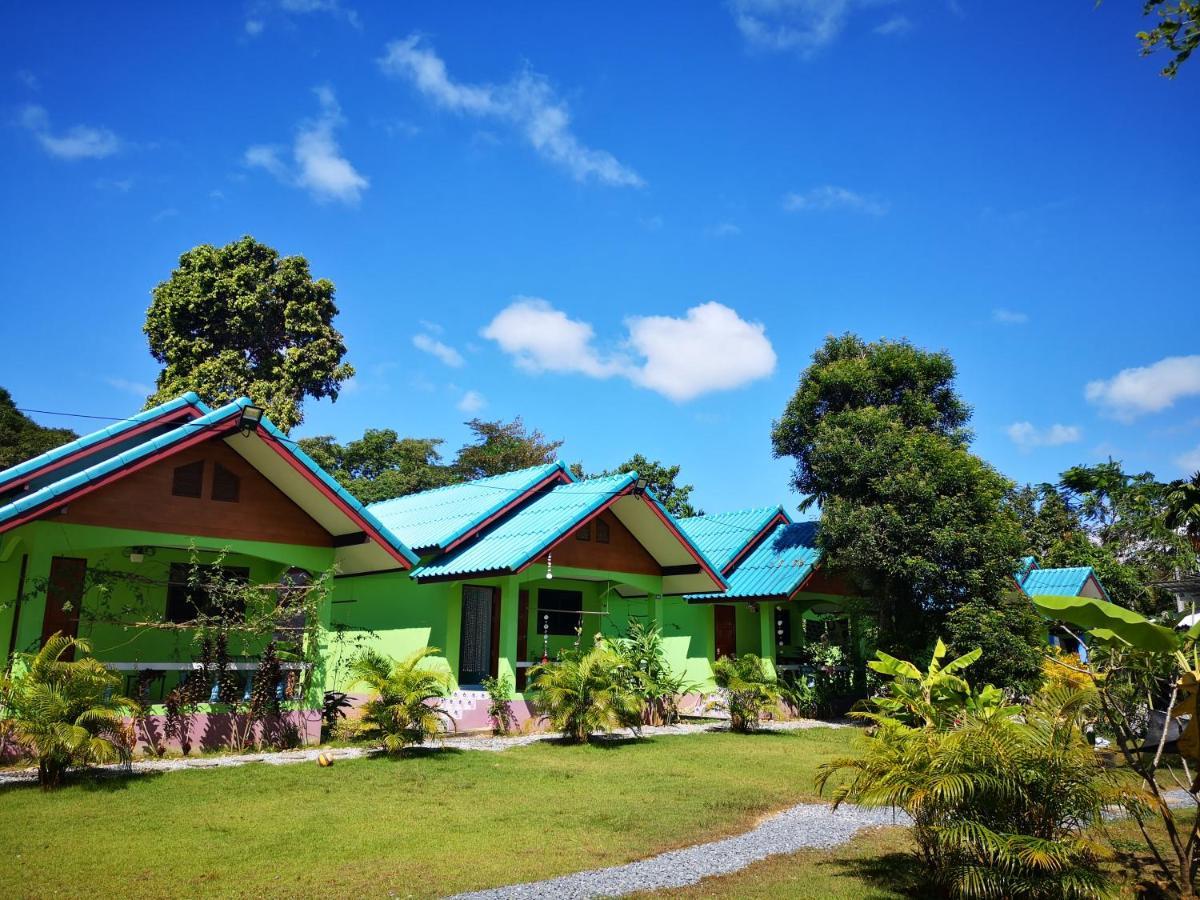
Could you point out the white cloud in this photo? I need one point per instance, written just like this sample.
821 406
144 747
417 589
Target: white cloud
318 163
28 79
1003 316
830 198
895 26
472 402
434 347
1147 389
120 185
130 387
723 229
527 103
77 142
1190 461
254 27
332 7
804 27
710 349
169 212
1026 436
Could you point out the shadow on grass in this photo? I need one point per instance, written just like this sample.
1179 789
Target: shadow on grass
91 780
419 752
897 873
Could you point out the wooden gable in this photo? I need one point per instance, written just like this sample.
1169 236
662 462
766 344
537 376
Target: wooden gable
622 552
149 500
822 581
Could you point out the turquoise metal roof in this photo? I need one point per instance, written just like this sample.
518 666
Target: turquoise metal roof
1065 582
531 530
434 519
22 472
76 480
776 567
722 536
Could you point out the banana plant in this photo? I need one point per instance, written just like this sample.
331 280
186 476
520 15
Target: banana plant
1111 624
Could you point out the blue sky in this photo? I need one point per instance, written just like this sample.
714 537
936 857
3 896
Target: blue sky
631 225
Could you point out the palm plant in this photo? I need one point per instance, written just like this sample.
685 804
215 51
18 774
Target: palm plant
1183 506
645 653
66 712
748 690
1001 804
404 707
582 693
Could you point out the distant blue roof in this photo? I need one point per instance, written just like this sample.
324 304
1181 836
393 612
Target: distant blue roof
24 472
722 536
1066 582
153 445
528 532
435 519
776 567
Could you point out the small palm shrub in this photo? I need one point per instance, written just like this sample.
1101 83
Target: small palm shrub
643 650
67 713
749 691
586 692
500 711
404 707
1002 804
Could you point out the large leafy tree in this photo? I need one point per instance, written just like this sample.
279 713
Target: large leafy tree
1177 31
242 320
501 447
879 436
21 438
662 478
1183 507
381 465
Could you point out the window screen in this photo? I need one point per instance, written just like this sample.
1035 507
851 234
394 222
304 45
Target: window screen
559 609
226 486
188 480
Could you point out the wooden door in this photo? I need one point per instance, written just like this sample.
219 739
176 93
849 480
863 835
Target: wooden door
65 589
479 642
725 630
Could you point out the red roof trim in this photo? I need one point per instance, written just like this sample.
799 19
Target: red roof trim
558 475
778 519
337 501
188 411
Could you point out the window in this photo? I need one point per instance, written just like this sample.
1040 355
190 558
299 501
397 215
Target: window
188 480
226 485
189 597
783 627
814 629
602 531
584 533
560 610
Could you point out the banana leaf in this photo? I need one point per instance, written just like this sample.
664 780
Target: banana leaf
1109 620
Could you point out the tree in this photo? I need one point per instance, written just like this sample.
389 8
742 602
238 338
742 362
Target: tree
240 320
381 465
1011 635
1044 517
879 436
1178 30
21 438
501 447
661 477
1183 507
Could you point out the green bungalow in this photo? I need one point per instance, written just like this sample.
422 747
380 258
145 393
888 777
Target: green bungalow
98 539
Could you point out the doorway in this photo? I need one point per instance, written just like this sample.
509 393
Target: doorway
479 646
64 596
725 631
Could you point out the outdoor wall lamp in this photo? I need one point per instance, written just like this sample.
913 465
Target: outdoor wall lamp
639 487
250 418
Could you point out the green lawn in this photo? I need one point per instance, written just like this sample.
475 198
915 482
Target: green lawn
427 825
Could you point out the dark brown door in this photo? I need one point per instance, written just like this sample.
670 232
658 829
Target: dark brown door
64 596
725 630
522 637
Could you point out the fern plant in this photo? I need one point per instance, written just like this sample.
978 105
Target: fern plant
67 712
500 711
404 707
748 690
586 692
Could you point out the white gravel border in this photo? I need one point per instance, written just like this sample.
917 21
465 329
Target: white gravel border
486 743
804 826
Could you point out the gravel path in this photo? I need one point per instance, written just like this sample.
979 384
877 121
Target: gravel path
805 826
466 742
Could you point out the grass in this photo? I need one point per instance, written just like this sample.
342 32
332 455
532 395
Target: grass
429 824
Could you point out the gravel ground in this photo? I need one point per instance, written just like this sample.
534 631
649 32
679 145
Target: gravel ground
806 826
465 742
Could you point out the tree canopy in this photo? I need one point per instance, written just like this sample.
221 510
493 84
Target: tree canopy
381 464
501 447
879 436
662 478
1177 31
21 438
242 320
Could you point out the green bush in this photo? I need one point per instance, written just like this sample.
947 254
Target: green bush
65 712
1012 637
642 649
500 693
404 707
748 690
586 692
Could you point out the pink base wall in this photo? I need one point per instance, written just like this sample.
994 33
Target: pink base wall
211 731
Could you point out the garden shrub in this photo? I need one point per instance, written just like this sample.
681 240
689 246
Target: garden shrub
748 692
